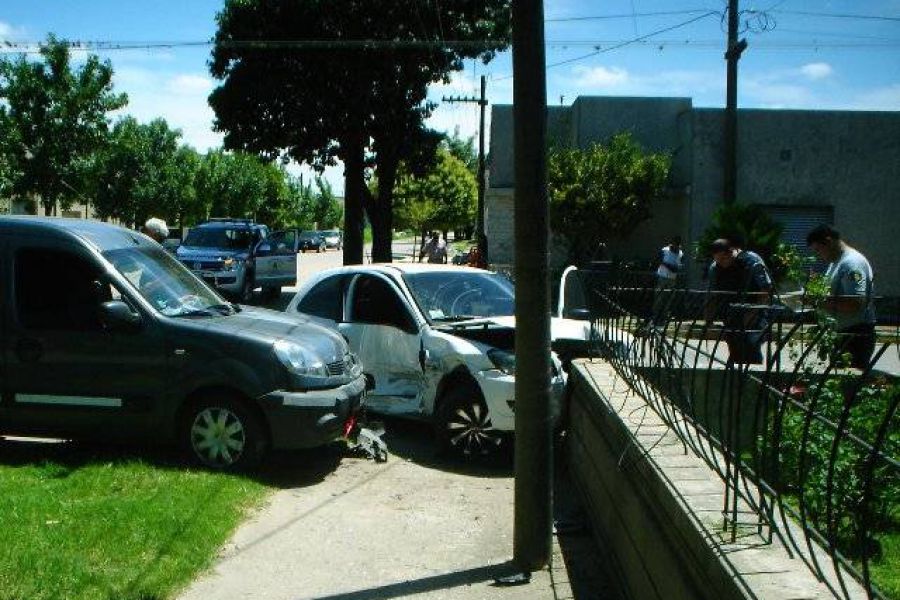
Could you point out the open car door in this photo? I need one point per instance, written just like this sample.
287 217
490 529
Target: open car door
276 260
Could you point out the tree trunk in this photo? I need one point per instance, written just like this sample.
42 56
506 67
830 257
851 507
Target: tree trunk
354 190
381 209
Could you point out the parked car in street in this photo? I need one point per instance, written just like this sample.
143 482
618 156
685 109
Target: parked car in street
311 240
437 341
333 238
105 335
236 256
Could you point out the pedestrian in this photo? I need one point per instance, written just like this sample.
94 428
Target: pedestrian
156 229
850 300
435 249
670 264
739 286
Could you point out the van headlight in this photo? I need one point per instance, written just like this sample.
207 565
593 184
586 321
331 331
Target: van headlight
505 361
231 264
299 360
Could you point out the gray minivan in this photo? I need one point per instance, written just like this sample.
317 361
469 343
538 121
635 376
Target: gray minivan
106 335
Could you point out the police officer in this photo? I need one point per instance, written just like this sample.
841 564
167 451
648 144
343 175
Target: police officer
739 282
850 303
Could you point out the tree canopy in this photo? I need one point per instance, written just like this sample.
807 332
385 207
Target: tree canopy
316 82
56 116
443 198
604 191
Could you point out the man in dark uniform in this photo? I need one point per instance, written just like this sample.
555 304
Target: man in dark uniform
739 283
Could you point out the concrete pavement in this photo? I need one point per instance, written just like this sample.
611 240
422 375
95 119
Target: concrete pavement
411 527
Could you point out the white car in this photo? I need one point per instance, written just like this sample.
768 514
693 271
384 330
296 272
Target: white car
437 342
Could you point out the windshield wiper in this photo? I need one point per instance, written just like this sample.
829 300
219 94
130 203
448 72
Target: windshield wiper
198 312
456 318
225 309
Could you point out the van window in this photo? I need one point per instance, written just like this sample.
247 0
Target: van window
58 290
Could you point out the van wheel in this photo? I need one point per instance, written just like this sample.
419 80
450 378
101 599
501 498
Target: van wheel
464 427
222 433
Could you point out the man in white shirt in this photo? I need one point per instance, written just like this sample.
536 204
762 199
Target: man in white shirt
850 302
670 264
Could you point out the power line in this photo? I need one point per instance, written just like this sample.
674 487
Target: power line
624 43
806 13
632 15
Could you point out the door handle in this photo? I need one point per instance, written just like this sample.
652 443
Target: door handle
29 350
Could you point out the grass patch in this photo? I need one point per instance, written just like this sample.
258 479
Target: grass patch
96 525
885 570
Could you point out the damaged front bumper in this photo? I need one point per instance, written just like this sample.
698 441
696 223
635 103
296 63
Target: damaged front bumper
311 418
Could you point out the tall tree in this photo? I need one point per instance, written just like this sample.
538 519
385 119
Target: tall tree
144 172
59 117
445 197
320 81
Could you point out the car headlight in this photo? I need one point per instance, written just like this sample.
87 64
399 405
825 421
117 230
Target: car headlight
299 360
352 364
505 361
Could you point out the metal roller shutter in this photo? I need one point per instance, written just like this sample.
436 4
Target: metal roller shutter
798 221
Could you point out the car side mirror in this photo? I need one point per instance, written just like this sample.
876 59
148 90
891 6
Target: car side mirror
580 314
117 315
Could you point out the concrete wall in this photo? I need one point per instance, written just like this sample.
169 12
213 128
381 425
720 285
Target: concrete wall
847 160
843 159
659 507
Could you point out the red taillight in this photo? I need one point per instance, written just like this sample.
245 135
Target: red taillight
349 425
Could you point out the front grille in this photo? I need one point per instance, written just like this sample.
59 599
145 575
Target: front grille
336 368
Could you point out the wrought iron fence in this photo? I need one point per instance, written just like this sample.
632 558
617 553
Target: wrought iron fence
763 391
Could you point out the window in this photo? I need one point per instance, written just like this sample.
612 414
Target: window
58 291
281 242
375 301
326 299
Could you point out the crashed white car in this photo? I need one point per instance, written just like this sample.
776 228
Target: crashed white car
436 342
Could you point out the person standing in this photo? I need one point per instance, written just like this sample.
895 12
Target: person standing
739 282
435 249
850 301
156 229
670 264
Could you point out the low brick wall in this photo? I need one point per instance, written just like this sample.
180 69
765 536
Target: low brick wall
658 509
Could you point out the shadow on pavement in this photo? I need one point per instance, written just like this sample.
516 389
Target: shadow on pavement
424 585
293 469
414 441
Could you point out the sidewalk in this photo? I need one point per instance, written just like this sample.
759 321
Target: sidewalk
406 528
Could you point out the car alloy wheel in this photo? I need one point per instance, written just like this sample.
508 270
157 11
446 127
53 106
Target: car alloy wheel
465 425
218 437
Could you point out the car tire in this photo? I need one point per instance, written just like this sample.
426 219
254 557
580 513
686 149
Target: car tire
246 293
271 292
220 431
464 428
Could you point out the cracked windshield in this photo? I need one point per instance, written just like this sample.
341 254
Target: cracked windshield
357 299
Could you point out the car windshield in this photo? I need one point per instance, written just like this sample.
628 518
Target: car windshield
220 237
458 295
308 235
166 283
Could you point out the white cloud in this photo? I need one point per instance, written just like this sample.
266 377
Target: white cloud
601 77
11 33
816 71
189 85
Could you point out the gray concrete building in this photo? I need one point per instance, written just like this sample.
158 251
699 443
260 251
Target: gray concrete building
804 166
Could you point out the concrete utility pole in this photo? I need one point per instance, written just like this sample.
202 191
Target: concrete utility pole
482 103
534 450
732 55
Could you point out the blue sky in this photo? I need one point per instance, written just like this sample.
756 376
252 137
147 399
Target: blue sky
794 60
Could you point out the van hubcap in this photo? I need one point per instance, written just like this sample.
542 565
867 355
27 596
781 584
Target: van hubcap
218 437
471 431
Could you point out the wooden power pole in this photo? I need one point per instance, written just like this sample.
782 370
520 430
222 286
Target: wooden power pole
482 103
732 55
533 444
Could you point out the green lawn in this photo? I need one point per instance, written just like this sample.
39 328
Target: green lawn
87 523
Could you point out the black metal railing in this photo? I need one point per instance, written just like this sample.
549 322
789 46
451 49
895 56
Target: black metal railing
762 389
